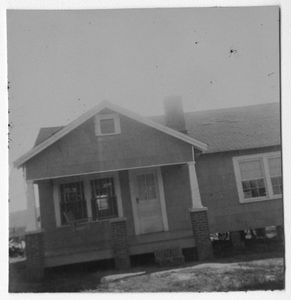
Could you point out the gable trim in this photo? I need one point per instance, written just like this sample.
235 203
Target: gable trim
106 104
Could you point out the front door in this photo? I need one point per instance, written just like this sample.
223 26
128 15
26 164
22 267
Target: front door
147 201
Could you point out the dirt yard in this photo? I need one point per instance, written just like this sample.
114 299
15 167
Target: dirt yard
257 266
263 271
208 277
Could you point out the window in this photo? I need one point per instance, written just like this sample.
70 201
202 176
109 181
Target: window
146 186
258 177
252 175
275 173
93 197
107 124
104 200
72 199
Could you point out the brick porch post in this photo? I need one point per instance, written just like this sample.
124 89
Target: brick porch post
120 243
34 248
199 219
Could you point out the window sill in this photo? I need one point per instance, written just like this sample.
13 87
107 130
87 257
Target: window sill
252 200
116 219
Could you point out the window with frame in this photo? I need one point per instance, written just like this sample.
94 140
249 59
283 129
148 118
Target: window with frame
104 200
252 179
258 176
72 199
107 124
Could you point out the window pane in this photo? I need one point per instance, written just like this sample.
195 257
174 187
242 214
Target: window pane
146 186
246 185
255 193
277 185
142 193
260 183
247 194
253 184
107 126
275 166
262 192
275 181
254 188
276 190
73 200
104 201
251 169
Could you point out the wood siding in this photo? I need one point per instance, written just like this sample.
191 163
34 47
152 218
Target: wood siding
216 178
81 151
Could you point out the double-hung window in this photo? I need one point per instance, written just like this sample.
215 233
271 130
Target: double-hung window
92 197
258 177
72 199
104 200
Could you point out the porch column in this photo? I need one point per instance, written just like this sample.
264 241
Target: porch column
199 218
31 217
195 193
34 243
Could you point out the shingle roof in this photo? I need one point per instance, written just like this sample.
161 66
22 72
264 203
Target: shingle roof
45 133
237 128
226 129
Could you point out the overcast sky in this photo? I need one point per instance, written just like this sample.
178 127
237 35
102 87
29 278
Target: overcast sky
63 63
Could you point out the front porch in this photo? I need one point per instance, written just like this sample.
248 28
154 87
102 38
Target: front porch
150 213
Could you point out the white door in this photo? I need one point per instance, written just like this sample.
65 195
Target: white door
147 201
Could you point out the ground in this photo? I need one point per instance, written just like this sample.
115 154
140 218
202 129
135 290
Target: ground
259 266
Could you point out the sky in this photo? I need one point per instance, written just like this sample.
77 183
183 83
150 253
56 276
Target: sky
63 63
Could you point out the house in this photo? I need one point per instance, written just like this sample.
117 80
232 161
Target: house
150 185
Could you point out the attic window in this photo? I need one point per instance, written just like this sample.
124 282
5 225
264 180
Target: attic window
107 124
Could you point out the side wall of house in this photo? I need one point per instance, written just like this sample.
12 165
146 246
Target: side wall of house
219 194
81 151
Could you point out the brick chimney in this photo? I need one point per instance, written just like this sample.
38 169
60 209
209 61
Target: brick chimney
174 113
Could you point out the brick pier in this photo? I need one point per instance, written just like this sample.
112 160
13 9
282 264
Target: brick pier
34 247
119 242
200 226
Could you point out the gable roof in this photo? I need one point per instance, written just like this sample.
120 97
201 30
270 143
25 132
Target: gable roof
51 138
237 128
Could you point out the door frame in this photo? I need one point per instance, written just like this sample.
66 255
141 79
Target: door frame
160 190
